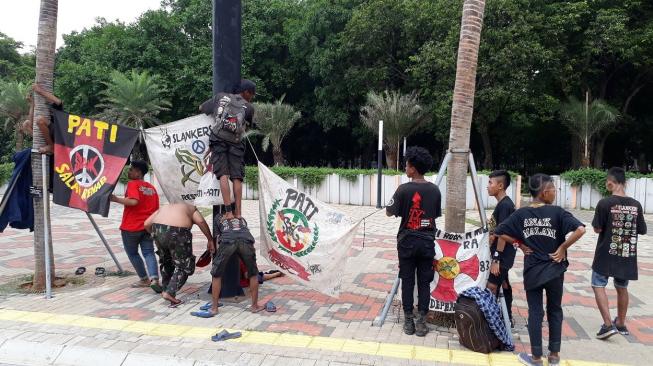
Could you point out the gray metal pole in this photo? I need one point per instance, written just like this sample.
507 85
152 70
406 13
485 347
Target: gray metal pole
379 320
104 241
46 226
379 162
477 192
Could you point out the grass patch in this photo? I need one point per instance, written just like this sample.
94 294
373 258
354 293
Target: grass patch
23 284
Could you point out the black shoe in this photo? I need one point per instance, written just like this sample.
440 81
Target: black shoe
420 326
409 324
620 328
606 331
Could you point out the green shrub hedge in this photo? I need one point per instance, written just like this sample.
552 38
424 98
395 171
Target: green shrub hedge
313 176
5 172
595 178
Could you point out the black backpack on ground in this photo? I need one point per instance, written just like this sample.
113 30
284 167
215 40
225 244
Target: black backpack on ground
473 331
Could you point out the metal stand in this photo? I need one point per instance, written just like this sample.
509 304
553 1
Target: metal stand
46 225
379 162
378 321
104 241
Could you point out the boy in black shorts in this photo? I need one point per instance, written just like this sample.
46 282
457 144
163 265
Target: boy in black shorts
541 229
232 113
503 256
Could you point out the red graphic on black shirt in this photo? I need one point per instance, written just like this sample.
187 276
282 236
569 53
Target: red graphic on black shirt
415 213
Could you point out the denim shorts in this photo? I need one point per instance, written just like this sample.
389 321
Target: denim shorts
599 280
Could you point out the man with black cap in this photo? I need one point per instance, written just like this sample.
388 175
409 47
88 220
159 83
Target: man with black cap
232 114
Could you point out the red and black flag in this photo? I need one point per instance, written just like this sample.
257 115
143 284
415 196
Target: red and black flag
88 158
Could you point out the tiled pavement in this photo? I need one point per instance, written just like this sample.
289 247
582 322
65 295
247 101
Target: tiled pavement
368 276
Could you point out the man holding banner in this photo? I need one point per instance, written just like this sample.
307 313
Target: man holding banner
418 205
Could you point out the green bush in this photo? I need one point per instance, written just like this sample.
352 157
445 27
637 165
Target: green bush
595 178
5 172
313 176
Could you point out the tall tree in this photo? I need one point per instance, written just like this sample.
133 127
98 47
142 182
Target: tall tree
274 121
401 115
585 120
134 100
45 48
14 108
461 113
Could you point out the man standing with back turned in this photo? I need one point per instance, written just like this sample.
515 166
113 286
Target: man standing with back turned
618 220
418 204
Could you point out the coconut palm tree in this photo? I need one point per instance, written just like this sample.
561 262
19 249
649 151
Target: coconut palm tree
461 113
585 120
274 121
401 115
134 100
45 48
14 108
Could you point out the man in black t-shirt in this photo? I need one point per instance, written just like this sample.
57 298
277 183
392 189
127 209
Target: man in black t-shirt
541 228
418 205
618 220
503 256
228 158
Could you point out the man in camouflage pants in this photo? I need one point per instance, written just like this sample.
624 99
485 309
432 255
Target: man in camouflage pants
171 227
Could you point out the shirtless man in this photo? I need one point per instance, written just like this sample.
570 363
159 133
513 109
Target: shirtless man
170 226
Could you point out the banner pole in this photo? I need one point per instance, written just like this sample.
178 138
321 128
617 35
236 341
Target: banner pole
379 162
46 225
379 320
104 241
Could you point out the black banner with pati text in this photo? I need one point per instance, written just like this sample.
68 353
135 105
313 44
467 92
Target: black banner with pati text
88 158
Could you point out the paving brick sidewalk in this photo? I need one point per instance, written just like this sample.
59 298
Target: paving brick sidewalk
368 276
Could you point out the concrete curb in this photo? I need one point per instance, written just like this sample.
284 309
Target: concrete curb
29 353
75 355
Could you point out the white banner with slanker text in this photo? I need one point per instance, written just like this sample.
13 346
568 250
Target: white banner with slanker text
180 156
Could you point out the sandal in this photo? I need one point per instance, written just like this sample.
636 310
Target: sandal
270 307
100 271
80 271
553 360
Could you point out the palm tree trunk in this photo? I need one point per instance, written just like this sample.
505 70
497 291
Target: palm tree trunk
45 49
19 138
599 146
391 156
277 154
461 113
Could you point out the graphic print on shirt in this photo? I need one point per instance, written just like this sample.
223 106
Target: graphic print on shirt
624 231
415 220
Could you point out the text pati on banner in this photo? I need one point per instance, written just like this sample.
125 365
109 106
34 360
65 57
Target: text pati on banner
89 156
302 236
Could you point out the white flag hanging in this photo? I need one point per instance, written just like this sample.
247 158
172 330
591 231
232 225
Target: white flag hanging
461 261
180 156
303 237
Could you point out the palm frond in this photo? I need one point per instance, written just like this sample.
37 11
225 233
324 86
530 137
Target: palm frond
401 113
600 115
275 120
14 106
133 99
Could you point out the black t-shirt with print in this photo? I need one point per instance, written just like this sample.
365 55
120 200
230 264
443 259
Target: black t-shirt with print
418 205
501 212
543 229
620 219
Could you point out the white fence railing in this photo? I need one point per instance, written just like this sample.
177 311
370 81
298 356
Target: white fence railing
586 197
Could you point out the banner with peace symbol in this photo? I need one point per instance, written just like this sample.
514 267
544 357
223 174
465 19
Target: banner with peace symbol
181 160
89 156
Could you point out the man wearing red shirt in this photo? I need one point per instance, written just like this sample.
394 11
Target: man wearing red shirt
140 201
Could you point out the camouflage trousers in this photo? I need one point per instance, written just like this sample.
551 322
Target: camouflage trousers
176 259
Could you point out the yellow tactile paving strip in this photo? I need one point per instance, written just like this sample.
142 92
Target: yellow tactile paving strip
399 351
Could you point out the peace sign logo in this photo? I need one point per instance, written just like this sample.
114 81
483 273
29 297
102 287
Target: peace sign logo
198 147
88 165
